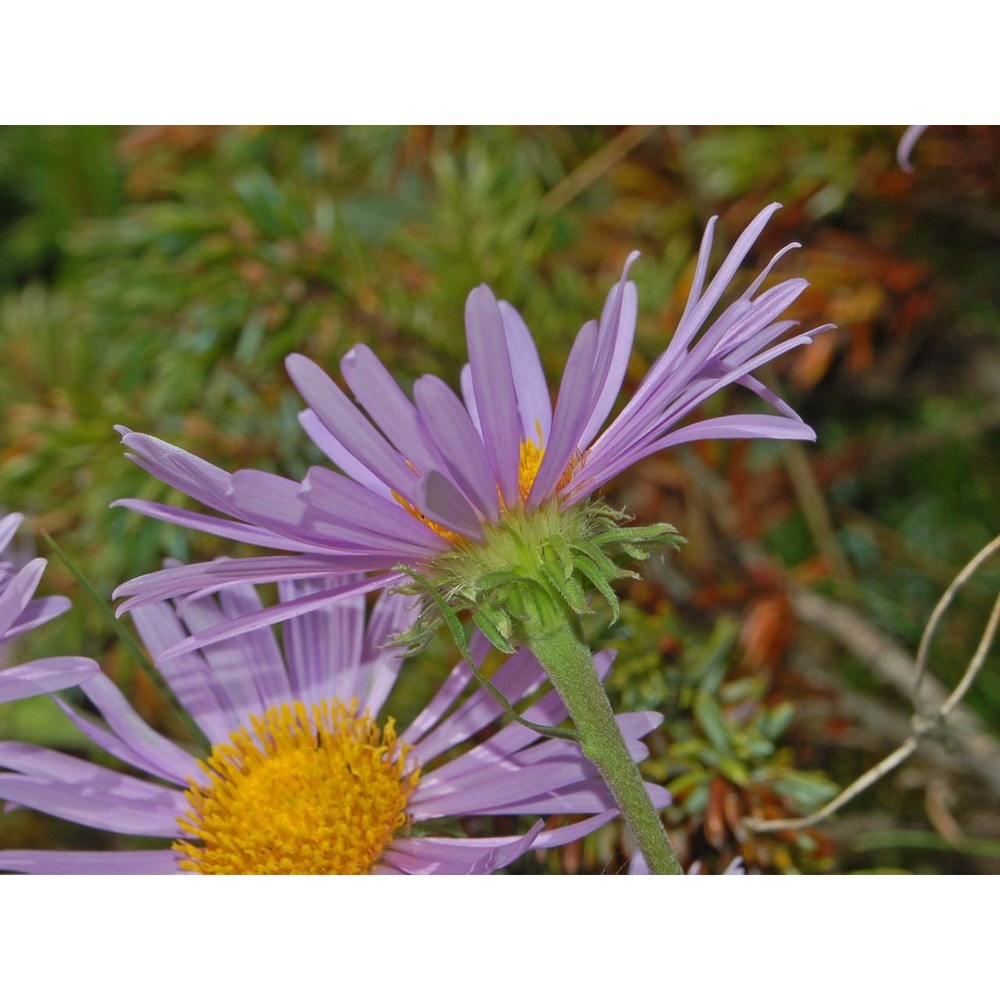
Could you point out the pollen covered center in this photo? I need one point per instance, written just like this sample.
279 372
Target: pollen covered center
438 529
304 790
530 462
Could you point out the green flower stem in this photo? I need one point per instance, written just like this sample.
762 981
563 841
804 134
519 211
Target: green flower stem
568 663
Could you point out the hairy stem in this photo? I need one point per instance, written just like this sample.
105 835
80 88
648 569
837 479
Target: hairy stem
569 665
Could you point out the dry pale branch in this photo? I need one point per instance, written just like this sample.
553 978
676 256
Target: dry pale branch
894 666
925 722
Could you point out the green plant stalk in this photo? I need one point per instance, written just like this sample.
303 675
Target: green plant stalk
551 637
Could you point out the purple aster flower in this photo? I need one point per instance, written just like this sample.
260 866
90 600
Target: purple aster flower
301 778
420 479
19 614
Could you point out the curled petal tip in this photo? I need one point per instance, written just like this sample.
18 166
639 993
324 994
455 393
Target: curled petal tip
906 144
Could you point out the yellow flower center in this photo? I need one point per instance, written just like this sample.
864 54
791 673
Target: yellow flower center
531 461
313 790
438 529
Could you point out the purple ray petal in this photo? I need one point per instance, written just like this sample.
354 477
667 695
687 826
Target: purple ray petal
90 862
193 476
444 697
176 581
85 793
9 524
392 614
270 501
150 750
751 426
377 391
906 144
561 835
762 277
258 651
518 677
494 388
38 612
18 591
466 856
693 320
738 426
456 438
709 387
213 525
605 461
695 313
620 354
345 422
322 644
188 676
344 503
281 612
231 661
770 397
549 710
380 674
447 693
442 502
44 676
733 335
339 455
100 808
587 797
609 333
555 789
100 736
571 415
469 397
530 387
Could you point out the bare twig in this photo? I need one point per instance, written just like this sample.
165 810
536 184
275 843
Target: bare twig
924 723
814 508
594 167
942 607
893 665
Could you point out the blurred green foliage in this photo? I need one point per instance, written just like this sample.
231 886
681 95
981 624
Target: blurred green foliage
157 277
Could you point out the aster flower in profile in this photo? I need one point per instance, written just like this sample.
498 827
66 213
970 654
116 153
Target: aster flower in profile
451 486
302 777
20 612
486 502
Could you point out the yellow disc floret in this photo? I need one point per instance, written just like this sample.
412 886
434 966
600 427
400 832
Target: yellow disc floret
532 452
302 790
438 529
531 461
